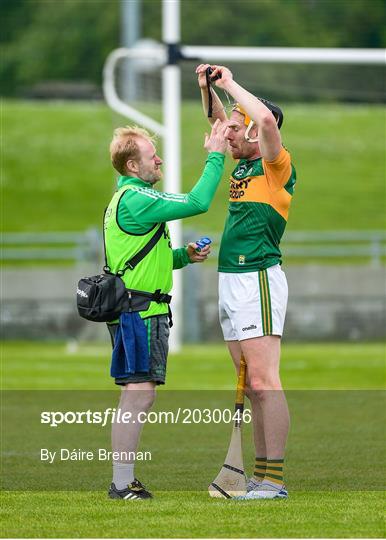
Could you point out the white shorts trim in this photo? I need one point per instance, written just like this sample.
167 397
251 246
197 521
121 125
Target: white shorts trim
252 304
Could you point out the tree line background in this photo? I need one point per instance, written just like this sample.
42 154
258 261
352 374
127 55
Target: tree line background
69 40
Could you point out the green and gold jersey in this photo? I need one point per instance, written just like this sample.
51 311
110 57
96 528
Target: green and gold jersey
260 197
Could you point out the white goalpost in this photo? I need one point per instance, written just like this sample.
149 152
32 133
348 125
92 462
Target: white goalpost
168 55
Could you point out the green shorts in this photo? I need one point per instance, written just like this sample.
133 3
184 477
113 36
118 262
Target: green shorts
158 336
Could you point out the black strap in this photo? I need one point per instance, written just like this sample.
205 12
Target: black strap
156 296
132 263
137 258
106 267
160 297
209 87
209 81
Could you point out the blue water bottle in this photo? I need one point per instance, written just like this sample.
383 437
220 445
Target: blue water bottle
202 242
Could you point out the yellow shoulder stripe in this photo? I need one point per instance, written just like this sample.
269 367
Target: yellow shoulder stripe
278 171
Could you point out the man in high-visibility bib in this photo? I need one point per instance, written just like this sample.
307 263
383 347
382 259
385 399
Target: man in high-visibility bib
136 213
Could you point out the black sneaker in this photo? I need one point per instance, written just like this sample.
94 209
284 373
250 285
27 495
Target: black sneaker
135 490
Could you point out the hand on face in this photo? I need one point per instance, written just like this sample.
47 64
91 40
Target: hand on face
235 135
216 141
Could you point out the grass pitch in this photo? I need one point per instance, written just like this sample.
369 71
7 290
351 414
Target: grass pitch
181 514
331 366
187 515
338 151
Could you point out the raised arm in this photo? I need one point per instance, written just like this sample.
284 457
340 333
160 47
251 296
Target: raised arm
141 207
218 108
268 132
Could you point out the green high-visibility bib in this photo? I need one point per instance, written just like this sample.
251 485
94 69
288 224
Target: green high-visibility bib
155 271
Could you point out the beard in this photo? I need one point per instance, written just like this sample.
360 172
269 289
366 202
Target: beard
236 152
151 176
245 151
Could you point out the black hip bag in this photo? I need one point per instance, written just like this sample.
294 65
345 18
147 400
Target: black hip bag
104 297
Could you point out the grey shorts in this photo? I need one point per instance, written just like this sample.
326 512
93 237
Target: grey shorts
158 336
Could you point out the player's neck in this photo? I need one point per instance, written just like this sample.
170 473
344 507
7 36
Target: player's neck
255 156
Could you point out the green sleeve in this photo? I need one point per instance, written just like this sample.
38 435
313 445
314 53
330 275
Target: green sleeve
141 207
180 258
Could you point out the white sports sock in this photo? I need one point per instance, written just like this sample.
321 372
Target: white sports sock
123 474
125 436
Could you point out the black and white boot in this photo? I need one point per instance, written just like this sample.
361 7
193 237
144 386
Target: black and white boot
134 491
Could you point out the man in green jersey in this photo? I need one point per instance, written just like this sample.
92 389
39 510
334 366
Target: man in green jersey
140 339
252 286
